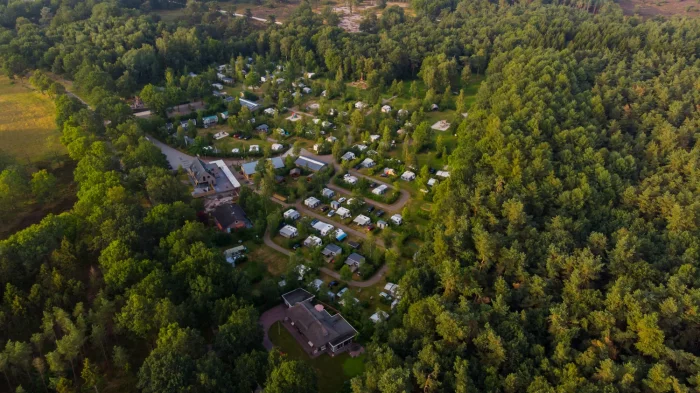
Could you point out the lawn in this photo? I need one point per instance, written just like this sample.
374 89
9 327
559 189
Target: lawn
27 129
275 261
228 143
332 372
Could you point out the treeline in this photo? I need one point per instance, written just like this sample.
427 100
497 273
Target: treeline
563 251
128 289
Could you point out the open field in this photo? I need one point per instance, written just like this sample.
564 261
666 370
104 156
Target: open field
281 11
27 129
332 372
650 9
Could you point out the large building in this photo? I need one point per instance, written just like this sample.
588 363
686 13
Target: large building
229 217
309 163
249 167
324 332
201 173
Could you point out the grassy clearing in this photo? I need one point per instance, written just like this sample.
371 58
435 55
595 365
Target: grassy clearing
275 261
28 132
332 372
171 16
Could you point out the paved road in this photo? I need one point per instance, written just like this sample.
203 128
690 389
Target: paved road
176 158
358 284
267 319
394 207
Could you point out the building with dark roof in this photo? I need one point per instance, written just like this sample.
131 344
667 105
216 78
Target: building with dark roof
298 295
230 217
201 172
324 332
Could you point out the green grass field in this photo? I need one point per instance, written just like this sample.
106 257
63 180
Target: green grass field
332 372
27 129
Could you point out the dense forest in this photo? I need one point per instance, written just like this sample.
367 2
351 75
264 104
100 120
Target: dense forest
562 254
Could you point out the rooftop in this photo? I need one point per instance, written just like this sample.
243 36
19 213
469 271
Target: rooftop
229 215
318 326
297 296
309 163
249 167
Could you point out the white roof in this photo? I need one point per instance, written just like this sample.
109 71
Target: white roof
374 137
288 229
277 146
379 316
342 211
396 218
290 213
408 174
313 240
389 286
227 172
361 147
350 178
317 283
367 161
254 148
443 173
432 182
311 200
323 227
362 219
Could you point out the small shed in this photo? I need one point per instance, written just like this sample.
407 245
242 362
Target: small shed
291 214
288 231
362 220
408 176
312 202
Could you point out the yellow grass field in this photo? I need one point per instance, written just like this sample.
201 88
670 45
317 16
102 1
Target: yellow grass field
28 132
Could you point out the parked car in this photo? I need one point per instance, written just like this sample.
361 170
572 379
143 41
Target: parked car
383 175
332 284
370 228
296 246
379 213
331 213
313 222
342 199
357 167
373 185
432 171
370 209
324 208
